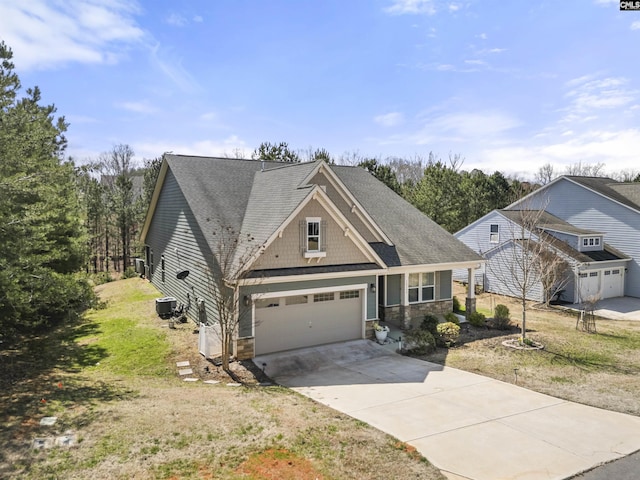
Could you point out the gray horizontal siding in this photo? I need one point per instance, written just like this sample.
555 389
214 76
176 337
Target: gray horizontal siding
172 227
588 210
505 278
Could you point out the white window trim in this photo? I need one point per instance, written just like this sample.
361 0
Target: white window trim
313 253
420 287
496 234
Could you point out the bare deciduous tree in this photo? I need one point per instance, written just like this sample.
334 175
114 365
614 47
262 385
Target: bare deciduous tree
586 169
232 258
528 259
545 174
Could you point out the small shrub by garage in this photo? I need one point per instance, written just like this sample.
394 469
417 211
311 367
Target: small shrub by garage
477 319
430 324
448 332
420 342
501 318
451 317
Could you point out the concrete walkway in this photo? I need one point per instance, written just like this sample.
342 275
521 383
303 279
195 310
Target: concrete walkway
467 425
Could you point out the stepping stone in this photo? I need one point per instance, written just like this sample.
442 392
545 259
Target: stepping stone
185 371
211 382
183 364
191 379
42 443
233 384
48 421
68 440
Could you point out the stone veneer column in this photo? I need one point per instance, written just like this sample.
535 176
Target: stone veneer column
470 301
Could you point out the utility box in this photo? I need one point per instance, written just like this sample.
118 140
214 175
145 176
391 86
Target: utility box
139 266
165 306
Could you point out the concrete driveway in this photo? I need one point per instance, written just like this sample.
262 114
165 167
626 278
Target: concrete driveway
467 425
619 308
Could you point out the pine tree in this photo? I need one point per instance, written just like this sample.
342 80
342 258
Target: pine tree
42 241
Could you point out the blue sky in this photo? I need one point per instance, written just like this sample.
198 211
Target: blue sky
510 86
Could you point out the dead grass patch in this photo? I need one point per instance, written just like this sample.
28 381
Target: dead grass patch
599 369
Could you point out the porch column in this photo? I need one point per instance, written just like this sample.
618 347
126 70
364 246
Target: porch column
470 301
406 312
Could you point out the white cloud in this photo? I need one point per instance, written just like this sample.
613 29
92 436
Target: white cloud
45 34
176 20
212 148
389 119
198 19
453 7
482 36
413 7
589 94
209 116
635 25
138 107
172 68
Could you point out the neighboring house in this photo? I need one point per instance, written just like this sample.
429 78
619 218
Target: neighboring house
339 249
595 225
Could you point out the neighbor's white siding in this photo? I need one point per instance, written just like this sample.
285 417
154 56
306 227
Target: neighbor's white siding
586 209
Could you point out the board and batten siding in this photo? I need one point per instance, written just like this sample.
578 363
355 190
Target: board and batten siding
589 210
172 227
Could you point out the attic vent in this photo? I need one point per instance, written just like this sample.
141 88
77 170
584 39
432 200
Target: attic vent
324 188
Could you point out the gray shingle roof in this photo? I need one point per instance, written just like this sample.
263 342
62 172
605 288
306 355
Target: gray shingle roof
418 240
549 221
236 193
546 220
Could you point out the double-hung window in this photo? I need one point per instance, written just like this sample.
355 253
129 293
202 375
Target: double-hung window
313 235
494 235
422 287
313 232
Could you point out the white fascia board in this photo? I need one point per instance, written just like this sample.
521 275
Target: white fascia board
599 265
348 197
309 291
309 277
162 174
317 193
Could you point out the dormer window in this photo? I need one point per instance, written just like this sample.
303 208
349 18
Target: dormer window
313 237
591 242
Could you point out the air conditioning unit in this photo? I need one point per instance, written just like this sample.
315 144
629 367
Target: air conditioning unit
165 306
139 266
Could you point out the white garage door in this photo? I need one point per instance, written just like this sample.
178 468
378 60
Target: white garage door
612 283
589 285
298 321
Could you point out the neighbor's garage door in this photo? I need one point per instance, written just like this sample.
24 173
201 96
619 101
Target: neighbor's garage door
612 283
301 321
589 285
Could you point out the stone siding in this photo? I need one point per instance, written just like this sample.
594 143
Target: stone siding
245 348
407 316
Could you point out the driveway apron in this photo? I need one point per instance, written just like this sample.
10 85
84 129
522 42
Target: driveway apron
467 425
